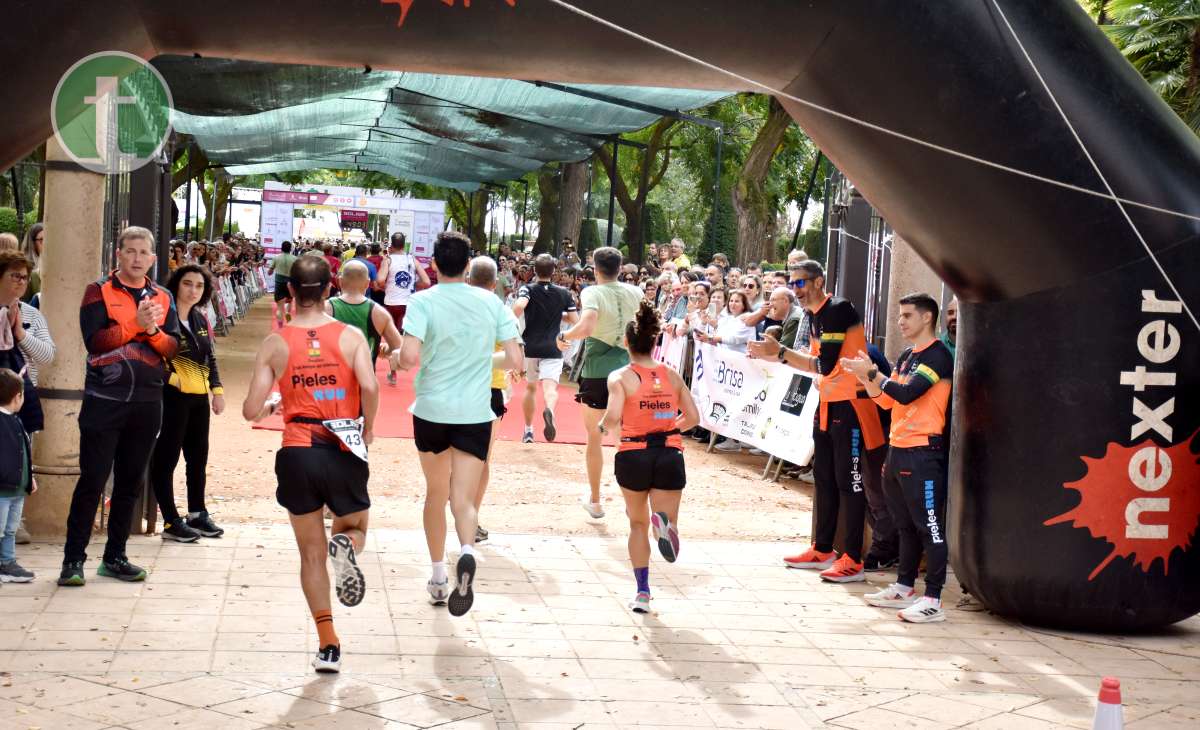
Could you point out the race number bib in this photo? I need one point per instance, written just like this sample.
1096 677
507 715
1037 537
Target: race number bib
349 432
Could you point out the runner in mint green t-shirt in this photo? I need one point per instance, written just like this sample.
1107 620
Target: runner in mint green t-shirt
451 329
606 308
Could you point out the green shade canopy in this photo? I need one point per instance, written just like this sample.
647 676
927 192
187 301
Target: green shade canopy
456 131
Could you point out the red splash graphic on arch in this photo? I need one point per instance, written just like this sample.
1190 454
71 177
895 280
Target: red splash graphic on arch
1108 510
406 5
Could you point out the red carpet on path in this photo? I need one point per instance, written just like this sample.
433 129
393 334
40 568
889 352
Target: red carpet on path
394 420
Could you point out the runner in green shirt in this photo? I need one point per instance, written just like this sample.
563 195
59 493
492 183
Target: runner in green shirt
606 308
281 265
354 308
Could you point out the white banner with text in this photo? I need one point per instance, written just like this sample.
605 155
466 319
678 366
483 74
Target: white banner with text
763 404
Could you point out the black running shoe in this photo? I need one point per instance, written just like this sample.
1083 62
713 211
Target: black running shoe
873 563
480 534
180 531
548 429
351 586
121 569
203 524
463 594
328 660
72 574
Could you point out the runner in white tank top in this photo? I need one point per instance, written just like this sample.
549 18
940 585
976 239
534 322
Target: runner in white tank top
399 274
401 279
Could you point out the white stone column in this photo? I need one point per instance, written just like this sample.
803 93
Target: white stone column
71 260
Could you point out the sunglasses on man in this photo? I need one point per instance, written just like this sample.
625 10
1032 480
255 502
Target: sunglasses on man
797 283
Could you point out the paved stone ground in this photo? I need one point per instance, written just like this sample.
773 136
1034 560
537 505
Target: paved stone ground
219 637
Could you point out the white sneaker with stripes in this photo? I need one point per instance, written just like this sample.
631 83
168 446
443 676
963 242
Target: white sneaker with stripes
925 611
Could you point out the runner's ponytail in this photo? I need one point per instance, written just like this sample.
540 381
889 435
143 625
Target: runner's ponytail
643 331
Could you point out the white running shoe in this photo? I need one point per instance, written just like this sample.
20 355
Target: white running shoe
925 611
594 510
730 446
438 592
894 596
757 452
640 603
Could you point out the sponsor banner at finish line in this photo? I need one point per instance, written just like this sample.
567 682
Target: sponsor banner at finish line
763 404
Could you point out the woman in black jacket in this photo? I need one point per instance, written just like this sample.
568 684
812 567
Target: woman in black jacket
186 410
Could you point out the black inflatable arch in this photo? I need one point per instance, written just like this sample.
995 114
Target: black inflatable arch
1075 491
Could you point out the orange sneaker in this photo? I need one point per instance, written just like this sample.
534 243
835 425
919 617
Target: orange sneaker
845 570
811 559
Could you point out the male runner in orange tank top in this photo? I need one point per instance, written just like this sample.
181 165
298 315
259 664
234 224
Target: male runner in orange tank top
326 383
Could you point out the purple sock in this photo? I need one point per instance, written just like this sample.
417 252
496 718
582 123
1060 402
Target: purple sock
642 575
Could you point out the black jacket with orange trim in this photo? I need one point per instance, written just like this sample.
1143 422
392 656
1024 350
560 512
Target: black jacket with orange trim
125 363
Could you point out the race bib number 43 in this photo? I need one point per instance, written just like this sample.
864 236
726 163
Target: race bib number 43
349 432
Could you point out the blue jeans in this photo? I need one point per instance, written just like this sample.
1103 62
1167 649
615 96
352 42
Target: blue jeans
10 517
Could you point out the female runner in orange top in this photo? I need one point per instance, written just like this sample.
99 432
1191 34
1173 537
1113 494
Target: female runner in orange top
652 405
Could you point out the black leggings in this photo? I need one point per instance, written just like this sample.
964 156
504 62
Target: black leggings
184 428
914 481
839 462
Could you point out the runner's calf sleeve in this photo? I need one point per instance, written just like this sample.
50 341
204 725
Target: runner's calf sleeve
325 633
642 576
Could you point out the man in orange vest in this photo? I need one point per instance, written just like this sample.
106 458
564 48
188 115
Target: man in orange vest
846 427
130 329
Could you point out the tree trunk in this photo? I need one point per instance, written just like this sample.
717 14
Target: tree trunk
755 218
574 185
475 207
648 178
548 185
224 185
196 163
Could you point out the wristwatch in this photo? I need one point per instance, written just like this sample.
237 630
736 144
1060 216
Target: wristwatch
782 356
871 374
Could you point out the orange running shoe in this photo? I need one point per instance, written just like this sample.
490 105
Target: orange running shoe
811 559
845 570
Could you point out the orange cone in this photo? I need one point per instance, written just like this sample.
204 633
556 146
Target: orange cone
1108 711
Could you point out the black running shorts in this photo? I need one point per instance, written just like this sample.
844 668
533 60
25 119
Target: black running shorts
658 467
471 438
593 393
281 288
498 406
310 478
